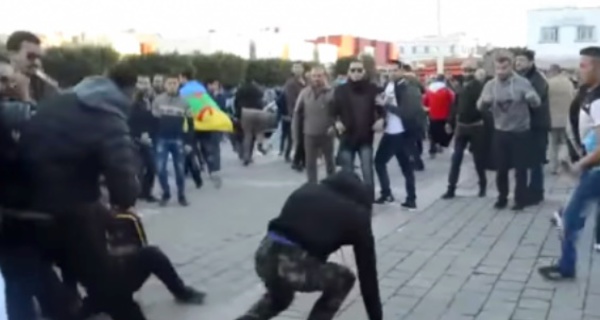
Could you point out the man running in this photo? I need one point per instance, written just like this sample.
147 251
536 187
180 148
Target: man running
316 220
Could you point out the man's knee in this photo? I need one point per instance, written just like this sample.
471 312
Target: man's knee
341 279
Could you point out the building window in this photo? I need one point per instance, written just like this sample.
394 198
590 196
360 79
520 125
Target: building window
452 49
426 49
586 34
414 50
549 35
401 50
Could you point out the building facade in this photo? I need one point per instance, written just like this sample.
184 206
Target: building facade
430 47
557 34
381 51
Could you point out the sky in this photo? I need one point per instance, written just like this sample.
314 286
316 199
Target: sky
499 22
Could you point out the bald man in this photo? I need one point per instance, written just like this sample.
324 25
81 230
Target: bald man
313 117
467 120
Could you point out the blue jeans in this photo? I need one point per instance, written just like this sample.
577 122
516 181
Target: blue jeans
210 149
347 154
164 148
400 146
574 216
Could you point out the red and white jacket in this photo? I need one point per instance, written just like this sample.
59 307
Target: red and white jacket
438 99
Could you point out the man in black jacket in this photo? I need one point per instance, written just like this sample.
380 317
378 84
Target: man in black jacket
540 125
254 121
76 139
315 221
357 115
143 127
467 120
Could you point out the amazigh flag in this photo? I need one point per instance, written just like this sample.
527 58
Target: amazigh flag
207 114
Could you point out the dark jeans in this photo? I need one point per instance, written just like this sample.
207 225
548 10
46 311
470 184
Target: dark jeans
511 150
193 165
210 148
538 150
164 148
473 138
346 155
285 142
147 170
399 146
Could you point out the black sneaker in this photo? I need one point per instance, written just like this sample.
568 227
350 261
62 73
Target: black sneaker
552 273
535 200
384 199
297 167
501 204
164 201
517 207
183 201
149 198
191 296
409 204
419 165
449 194
482 192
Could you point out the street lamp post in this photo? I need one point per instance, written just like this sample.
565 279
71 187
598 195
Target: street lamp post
440 54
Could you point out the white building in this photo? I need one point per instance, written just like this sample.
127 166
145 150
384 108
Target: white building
426 48
556 35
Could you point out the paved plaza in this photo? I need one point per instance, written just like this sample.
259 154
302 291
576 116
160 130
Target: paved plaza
450 260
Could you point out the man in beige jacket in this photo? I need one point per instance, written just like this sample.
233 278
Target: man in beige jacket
560 95
313 114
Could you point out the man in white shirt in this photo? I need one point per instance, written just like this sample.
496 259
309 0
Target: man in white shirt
397 140
587 169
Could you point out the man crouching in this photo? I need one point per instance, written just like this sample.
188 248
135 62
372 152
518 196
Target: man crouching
315 221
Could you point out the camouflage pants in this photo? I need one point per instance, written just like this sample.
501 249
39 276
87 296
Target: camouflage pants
286 270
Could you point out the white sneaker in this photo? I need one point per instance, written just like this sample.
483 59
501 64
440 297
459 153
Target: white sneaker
597 247
557 221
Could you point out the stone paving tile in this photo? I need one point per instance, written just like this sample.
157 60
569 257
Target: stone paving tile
457 259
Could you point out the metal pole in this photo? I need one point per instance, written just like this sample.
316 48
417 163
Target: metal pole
440 55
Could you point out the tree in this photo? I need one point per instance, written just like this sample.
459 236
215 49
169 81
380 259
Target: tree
269 72
229 69
68 65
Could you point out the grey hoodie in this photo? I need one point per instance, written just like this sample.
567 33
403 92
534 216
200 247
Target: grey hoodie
510 100
99 92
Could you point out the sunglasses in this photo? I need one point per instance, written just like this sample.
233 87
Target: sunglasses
32 56
356 70
468 70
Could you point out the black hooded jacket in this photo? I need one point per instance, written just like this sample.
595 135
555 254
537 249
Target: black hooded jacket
76 138
540 117
321 218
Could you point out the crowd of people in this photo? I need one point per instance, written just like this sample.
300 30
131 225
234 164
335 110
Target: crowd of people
61 148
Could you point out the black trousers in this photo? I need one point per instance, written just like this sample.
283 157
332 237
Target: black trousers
299 154
134 270
83 241
511 151
285 143
147 172
471 137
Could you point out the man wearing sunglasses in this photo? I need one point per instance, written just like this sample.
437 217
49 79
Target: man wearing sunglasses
25 53
467 120
357 116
